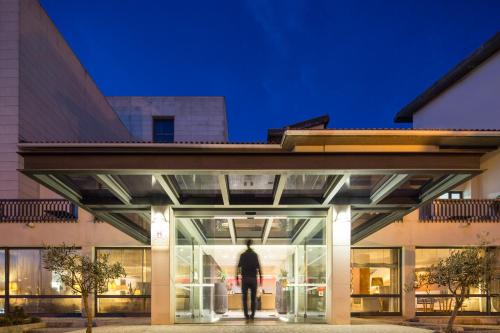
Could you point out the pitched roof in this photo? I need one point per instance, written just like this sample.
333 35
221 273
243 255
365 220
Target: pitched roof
274 135
405 115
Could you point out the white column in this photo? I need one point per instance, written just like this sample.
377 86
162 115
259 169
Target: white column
408 265
338 240
162 281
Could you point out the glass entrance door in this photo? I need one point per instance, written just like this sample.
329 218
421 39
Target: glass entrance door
293 260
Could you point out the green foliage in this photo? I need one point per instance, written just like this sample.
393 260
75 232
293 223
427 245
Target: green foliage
462 270
221 275
17 317
80 273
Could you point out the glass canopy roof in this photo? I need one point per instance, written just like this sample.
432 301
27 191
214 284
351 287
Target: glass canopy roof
382 174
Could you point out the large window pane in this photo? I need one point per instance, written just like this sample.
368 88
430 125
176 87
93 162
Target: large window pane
28 277
2 275
427 257
375 271
65 305
375 304
124 305
137 264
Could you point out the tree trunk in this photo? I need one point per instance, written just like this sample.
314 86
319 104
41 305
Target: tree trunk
87 312
458 305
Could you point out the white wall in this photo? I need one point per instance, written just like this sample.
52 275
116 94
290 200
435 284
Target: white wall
471 103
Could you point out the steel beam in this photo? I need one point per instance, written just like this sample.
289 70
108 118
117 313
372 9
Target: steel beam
190 229
224 189
279 188
57 185
114 187
267 230
442 185
232 231
374 225
391 184
334 188
126 226
167 188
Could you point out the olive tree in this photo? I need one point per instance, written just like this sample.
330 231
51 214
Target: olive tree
462 270
80 273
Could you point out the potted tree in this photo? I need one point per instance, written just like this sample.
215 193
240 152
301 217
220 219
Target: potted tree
220 293
281 292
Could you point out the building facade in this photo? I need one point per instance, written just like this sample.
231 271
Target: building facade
342 218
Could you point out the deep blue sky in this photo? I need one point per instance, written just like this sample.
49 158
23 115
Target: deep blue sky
277 62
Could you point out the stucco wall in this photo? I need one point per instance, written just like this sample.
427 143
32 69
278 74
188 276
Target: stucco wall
472 103
412 232
85 233
195 118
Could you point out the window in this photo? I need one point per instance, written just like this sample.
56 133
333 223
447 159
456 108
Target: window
375 278
2 282
452 195
163 129
131 294
36 289
438 300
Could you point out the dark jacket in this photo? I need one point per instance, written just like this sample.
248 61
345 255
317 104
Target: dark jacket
249 264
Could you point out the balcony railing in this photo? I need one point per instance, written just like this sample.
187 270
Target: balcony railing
46 210
463 210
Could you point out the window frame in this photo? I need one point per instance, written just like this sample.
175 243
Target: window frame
153 130
487 296
7 297
97 296
398 296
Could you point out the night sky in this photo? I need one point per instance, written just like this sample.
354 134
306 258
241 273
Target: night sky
277 62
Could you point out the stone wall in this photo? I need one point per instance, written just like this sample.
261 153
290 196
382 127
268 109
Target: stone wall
195 118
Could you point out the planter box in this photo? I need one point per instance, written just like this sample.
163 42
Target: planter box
21 328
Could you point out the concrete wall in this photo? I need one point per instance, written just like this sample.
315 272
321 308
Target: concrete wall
9 98
195 118
472 103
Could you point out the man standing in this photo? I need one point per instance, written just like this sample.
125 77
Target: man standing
248 266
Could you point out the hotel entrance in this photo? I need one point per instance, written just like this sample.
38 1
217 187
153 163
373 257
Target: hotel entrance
292 254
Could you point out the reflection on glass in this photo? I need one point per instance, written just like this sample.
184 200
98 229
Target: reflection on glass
2 275
28 277
255 184
442 303
306 185
375 272
137 264
375 304
47 305
427 257
124 305
2 306
361 185
439 299
198 184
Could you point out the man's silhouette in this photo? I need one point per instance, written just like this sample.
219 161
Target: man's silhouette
248 267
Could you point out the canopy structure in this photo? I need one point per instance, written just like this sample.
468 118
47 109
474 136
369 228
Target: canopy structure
382 174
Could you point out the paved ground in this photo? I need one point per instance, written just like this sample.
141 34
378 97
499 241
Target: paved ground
258 328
